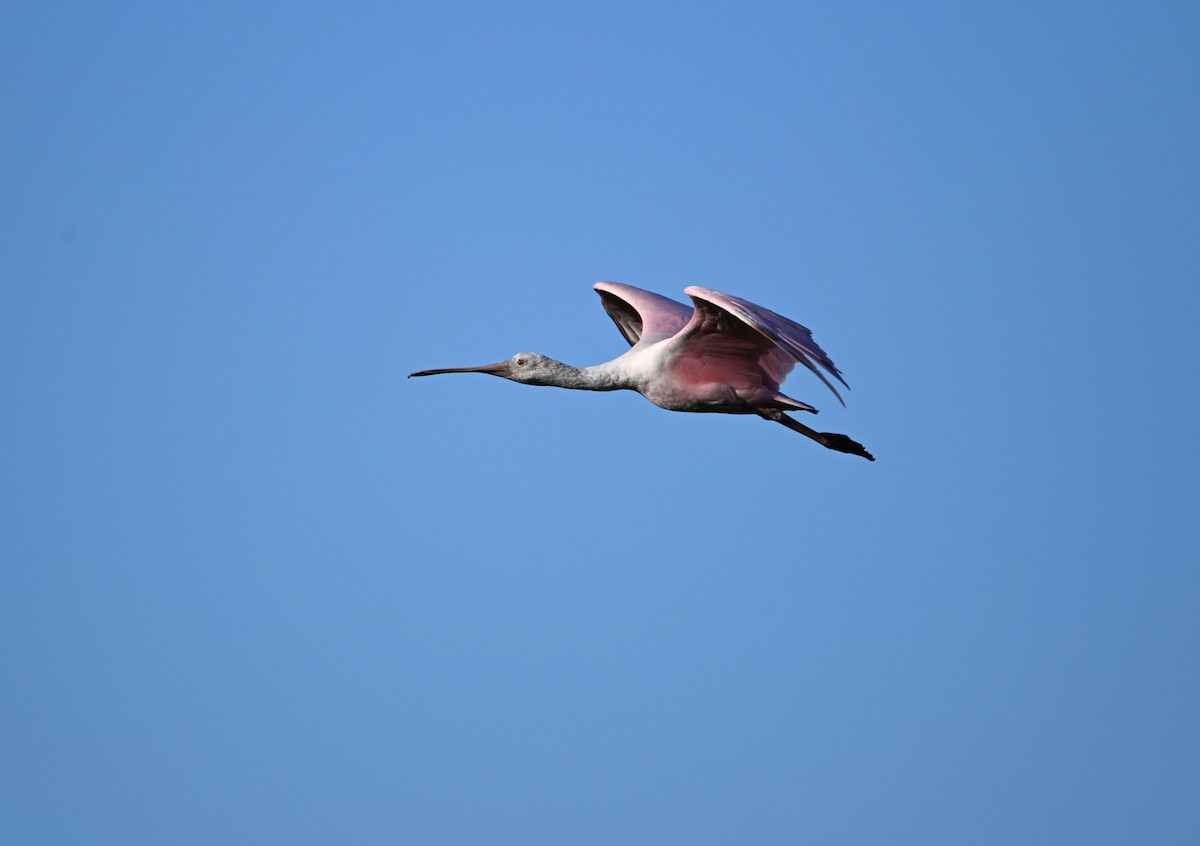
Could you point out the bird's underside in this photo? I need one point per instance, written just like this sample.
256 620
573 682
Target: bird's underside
773 409
830 440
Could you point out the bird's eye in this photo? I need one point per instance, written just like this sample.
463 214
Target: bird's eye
520 362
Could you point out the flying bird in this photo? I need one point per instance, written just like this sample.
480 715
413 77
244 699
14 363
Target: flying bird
722 355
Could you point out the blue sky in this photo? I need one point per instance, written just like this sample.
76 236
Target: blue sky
259 587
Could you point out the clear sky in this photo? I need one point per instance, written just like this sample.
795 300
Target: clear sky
258 588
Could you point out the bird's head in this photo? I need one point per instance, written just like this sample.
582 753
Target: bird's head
530 368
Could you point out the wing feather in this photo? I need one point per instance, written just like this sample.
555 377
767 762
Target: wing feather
776 343
642 316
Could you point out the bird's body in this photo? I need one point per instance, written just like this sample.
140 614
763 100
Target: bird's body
725 355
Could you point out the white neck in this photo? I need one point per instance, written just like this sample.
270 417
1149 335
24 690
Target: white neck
600 377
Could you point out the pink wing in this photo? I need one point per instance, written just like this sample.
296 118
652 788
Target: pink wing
744 345
641 315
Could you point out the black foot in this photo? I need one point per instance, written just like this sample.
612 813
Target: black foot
844 444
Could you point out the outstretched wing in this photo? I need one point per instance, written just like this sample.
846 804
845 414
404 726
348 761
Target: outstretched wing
740 343
641 315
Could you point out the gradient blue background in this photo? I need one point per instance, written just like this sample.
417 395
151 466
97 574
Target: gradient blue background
259 588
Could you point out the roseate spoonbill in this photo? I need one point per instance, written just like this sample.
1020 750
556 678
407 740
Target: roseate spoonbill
724 355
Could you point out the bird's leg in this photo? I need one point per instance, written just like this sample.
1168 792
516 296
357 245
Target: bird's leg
830 440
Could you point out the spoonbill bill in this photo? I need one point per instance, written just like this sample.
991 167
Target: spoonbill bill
722 355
